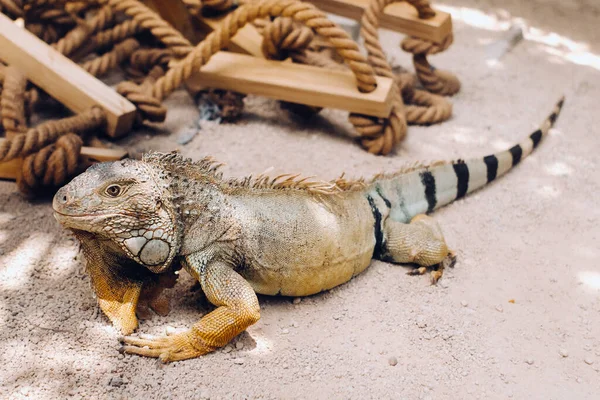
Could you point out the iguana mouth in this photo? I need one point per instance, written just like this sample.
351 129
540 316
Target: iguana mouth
86 222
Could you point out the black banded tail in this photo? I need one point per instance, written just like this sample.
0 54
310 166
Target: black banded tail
426 189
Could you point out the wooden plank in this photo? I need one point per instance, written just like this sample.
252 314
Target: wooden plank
246 41
399 17
297 83
61 78
11 169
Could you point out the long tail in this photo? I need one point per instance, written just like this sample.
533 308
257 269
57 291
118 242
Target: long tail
425 189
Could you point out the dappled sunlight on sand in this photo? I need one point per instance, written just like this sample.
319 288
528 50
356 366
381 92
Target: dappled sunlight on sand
549 192
559 168
590 279
553 43
264 345
17 265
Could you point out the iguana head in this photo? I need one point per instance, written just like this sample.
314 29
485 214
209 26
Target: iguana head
124 202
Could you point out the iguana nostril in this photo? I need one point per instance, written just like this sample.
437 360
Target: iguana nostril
64 199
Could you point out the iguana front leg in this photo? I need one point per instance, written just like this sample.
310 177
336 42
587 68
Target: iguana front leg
237 309
117 298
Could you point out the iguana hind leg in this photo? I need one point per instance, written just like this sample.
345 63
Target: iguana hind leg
420 242
237 309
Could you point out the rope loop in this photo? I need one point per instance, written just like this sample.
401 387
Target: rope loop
52 165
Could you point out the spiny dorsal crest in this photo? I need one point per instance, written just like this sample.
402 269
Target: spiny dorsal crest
174 162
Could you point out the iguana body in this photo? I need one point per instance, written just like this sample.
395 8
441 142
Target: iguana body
137 219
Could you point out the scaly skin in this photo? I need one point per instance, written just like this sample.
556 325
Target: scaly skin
137 219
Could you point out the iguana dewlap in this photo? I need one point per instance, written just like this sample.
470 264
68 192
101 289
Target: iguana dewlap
136 220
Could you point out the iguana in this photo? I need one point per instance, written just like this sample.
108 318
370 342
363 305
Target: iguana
138 220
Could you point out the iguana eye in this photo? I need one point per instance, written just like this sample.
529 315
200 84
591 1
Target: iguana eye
113 190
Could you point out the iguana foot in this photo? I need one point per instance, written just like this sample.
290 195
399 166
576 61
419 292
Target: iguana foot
167 348
437 270
121 315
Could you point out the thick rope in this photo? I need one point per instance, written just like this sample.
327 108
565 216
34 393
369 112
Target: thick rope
148 19
12 102
423 8
149 108
379 136
110 60
116 34
427 108
77 36
219 39
434 80
35 138
12 8
47 32
284 36
301 12
52 165
143 60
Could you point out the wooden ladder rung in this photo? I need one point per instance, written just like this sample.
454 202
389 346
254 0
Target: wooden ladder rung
61 78
400 17
296 83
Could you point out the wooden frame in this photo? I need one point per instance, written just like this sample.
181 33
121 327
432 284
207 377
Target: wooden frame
61 78
400 17
297 83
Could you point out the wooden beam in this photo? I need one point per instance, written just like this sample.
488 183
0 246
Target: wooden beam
11 169
297 83
399 17
61 78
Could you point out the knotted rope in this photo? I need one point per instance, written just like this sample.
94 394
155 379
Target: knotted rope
434 80
52 165
48 132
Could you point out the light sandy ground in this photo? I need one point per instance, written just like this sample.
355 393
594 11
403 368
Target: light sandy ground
531 237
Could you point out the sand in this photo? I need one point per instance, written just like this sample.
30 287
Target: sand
517 318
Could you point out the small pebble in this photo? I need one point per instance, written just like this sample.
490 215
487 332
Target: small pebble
285 331
499 308
464 303
169 330
578 380
239 345
238 361
392 361
297 300
116 381
227 349
563 353
529 361
421 322
588 361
